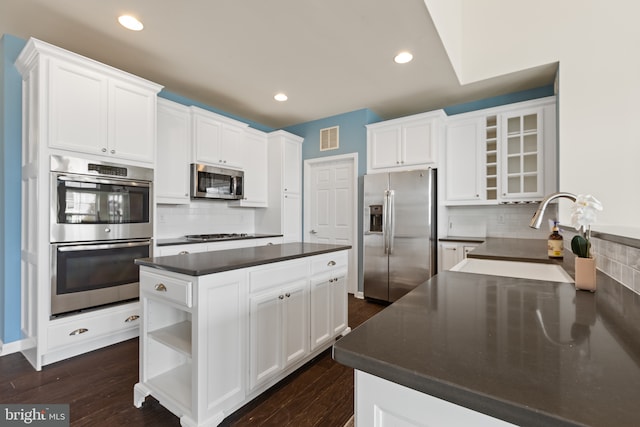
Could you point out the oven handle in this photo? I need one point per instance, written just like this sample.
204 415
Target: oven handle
76 248
100 180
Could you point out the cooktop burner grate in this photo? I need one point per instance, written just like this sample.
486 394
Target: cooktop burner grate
219 236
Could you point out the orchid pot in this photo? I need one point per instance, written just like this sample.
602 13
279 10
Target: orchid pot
583 215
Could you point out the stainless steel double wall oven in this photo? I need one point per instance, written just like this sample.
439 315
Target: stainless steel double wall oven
101 220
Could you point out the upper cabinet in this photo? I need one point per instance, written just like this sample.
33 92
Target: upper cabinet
501 155
217 140
172 178
404 143
89 107
255 170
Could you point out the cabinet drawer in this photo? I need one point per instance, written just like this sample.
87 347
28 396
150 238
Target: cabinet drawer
329 262
89 326
166 287
264 278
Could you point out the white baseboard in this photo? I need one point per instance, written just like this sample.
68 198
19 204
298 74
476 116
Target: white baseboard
359 295
13 347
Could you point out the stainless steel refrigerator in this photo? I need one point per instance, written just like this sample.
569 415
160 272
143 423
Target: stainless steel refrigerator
399 232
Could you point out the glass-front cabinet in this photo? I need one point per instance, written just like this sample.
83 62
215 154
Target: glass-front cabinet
522 155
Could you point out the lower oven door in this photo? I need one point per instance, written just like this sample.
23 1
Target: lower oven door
94 274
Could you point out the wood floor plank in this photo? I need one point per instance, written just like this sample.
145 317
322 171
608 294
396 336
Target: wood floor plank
98 386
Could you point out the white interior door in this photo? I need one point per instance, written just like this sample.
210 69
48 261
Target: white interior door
331 202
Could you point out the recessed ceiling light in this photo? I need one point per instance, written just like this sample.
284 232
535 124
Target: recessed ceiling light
403 57
280 97
130 23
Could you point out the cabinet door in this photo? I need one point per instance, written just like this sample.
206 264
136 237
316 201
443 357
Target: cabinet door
292 167
338 303
295 322
292 218
77 108
207 135
417 144
132 122
449 255
255 169
522 155
265 336
321 327
463 161
231 147
384 147
174 153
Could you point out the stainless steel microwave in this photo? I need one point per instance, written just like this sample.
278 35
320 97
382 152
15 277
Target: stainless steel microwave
212 182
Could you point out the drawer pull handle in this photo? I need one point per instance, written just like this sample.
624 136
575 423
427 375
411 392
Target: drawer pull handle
132 318
331 263
161 287
78 331
183 253
280 296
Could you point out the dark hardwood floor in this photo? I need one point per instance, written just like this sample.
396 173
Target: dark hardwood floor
98 386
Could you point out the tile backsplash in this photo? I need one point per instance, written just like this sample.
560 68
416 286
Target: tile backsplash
616 260
202 218
496 221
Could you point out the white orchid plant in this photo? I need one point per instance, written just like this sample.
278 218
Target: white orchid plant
583 214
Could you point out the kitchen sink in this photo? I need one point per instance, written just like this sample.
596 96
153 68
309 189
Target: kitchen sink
524 270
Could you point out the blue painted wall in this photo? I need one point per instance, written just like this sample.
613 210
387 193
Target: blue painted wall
10 187
352 139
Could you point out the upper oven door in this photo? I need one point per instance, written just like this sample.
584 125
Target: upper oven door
85 208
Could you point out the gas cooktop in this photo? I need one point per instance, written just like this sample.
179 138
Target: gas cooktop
220 236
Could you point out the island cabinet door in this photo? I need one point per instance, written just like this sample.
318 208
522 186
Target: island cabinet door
328 307
265 333
218 342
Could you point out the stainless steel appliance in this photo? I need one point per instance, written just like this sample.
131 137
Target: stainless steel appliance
399 232
212 182
88 275
95 200
100 222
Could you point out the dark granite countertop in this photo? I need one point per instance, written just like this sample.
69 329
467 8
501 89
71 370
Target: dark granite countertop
533 353
184 241
202 263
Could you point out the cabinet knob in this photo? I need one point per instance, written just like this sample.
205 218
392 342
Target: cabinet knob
132 318
113 151
285 189
104 150
160 287
331 263
397 162
183 253
288 295
78 331
280 296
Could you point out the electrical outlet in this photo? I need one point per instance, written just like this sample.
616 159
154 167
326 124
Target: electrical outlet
501 219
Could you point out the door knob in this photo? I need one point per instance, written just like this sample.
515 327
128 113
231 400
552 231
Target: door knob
313 232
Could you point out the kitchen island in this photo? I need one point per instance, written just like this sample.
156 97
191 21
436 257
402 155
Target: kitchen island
472 349
219 328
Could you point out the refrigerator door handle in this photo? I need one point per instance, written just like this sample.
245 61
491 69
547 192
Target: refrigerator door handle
392 220
385 221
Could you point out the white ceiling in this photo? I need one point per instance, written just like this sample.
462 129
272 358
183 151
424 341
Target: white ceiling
329 56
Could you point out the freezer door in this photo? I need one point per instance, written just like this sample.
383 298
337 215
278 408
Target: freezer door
376 264
412 231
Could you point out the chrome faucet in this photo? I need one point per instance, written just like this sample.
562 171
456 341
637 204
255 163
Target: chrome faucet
536 220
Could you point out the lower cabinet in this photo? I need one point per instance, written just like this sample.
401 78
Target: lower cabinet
382 403
451 253
210 344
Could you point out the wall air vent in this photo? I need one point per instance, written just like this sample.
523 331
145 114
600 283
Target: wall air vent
329 138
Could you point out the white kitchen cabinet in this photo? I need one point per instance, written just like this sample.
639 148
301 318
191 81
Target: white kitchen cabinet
464 160
382 403
284 214
451 253
192 248
192 348
95 109
254 160
278 331
172 178
404 143
217 140
515 151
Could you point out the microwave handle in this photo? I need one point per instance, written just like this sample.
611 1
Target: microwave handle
234 186
75 248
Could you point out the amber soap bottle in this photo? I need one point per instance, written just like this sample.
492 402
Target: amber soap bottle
555 244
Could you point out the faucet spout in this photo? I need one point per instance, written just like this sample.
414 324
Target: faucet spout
536 220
